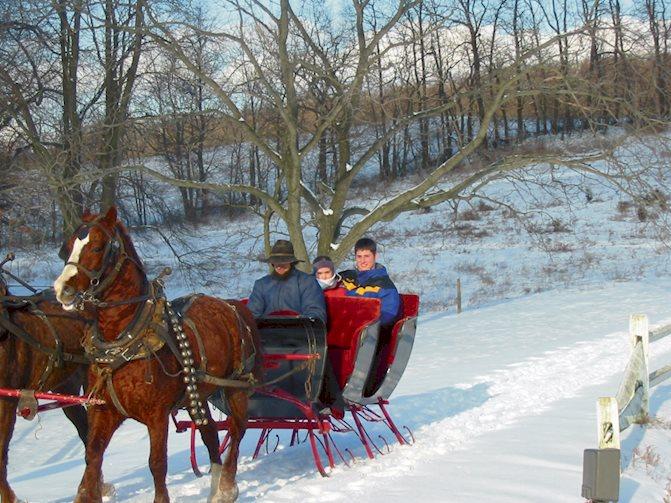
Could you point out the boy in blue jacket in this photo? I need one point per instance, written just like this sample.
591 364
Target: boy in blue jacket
370 279
287 288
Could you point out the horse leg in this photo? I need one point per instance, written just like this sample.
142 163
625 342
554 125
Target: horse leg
102 425
7 421
226 491
158 455
77 416
210 437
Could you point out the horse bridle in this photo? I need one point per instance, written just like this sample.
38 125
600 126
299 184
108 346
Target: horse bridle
114 251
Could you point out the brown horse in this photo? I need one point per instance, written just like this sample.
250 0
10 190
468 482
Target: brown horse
216 339
32 329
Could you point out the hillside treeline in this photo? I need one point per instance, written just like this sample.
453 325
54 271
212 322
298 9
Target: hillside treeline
285 107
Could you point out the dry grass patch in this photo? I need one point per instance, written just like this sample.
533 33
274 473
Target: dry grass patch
648 457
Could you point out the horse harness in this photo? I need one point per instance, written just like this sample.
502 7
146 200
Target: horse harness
157 323
57 357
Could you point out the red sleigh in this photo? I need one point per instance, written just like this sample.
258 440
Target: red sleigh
368 363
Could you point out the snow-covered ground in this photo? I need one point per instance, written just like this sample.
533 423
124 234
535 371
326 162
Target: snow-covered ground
501 401
501 398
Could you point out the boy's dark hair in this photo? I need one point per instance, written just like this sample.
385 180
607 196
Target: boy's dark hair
365 244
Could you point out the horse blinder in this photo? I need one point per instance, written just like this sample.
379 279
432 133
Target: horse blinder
63 253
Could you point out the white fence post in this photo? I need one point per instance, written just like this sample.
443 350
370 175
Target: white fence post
601 467
639 331
608 423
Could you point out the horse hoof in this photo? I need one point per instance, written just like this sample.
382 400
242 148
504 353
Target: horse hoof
10 498
225 496
84 497
107 490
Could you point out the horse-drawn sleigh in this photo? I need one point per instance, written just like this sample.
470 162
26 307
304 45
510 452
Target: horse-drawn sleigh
148 357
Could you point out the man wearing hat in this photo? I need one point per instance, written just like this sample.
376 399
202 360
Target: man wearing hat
286 288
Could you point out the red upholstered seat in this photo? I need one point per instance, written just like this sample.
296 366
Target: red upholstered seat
346 319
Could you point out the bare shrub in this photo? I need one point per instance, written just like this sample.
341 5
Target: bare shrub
648 457
654 422
487 280
469 214
384 234
656 198
589 260
560 247
667 491
436 226
553 269
484 207
470 268
642 213
470 231
623 207
558 226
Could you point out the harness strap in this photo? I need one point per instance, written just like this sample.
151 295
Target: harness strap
132 300
114 397
228 383
104 378
248 381
29 339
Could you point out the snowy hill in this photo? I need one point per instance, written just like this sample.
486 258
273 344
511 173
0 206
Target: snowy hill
501 401
501 398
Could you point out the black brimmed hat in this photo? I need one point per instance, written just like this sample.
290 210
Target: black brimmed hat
282 252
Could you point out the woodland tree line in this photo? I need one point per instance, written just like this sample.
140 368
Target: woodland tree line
283 108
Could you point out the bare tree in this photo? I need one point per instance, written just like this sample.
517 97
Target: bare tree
59 60
122 41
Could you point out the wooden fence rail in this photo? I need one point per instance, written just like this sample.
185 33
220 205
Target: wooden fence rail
601 475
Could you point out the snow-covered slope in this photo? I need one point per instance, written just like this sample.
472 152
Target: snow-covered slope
501 401
501 398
